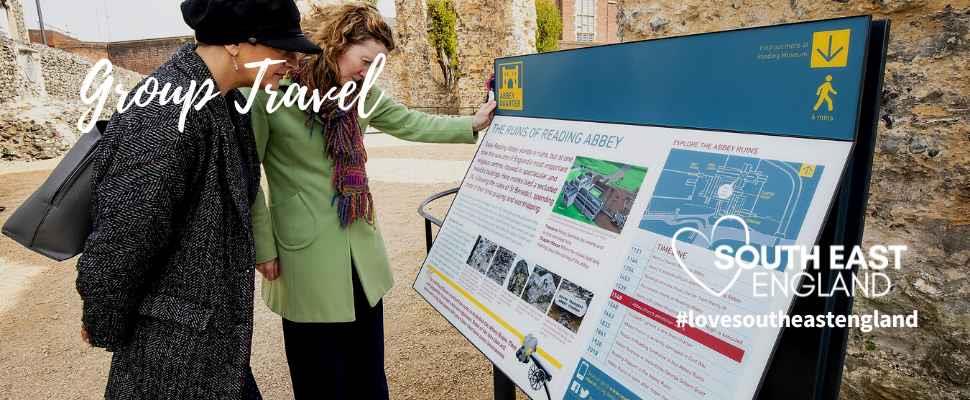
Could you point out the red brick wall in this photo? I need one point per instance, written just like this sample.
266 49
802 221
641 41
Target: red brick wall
90 51
144 56
54 38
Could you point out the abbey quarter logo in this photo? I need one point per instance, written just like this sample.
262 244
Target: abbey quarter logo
510 86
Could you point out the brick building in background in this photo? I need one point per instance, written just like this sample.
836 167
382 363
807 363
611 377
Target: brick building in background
587 23
142 56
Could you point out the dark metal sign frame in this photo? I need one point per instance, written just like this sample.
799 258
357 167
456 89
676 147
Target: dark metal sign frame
806 363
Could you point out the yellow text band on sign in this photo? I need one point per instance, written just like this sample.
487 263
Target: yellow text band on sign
499 320
830 49
510 86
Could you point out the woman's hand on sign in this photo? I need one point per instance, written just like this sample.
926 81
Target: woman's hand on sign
483 118
270 269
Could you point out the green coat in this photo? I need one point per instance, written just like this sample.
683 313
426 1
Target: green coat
300 227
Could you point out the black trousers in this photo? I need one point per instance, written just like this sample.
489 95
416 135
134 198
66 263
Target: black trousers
250 390
341 360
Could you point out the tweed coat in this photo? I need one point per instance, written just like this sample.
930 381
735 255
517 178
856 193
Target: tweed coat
167 275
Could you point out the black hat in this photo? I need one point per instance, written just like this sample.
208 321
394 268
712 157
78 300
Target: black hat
274 23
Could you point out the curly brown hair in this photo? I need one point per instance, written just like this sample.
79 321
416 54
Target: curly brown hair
335 28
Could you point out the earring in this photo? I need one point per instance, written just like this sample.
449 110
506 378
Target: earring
235 65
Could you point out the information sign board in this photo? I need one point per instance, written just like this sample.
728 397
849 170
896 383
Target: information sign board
591 216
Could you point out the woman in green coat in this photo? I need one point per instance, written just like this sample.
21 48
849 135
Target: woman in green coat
318 246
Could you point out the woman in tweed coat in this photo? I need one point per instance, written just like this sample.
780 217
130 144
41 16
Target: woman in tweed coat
167 274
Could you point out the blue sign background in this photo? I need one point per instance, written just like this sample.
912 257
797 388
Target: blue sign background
750 80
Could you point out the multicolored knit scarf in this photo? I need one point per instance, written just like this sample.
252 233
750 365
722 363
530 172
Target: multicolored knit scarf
345 146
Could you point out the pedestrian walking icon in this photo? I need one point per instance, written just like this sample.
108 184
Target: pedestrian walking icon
823 92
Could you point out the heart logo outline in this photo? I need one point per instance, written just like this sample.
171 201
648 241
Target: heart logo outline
680 261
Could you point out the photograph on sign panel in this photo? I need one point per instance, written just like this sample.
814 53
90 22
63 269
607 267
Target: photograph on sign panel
481 254
540 288
570 305
520 275
501 264
599 192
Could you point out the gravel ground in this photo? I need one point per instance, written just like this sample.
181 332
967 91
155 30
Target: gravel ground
42 355
443 153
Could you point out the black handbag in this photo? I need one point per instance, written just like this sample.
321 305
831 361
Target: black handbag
55 221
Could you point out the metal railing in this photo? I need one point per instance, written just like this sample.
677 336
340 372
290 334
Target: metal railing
502 386
430 219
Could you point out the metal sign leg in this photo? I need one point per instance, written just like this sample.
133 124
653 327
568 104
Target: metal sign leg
504 388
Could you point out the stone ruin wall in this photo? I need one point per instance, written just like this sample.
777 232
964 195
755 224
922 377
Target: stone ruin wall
412 75
64 72
15 9
485 31
38 115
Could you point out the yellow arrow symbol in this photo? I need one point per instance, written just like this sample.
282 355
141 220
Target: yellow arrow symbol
830 49
829 55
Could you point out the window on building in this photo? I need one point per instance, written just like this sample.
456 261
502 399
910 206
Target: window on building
585 20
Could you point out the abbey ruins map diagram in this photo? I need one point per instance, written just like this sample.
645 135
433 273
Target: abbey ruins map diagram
697 188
